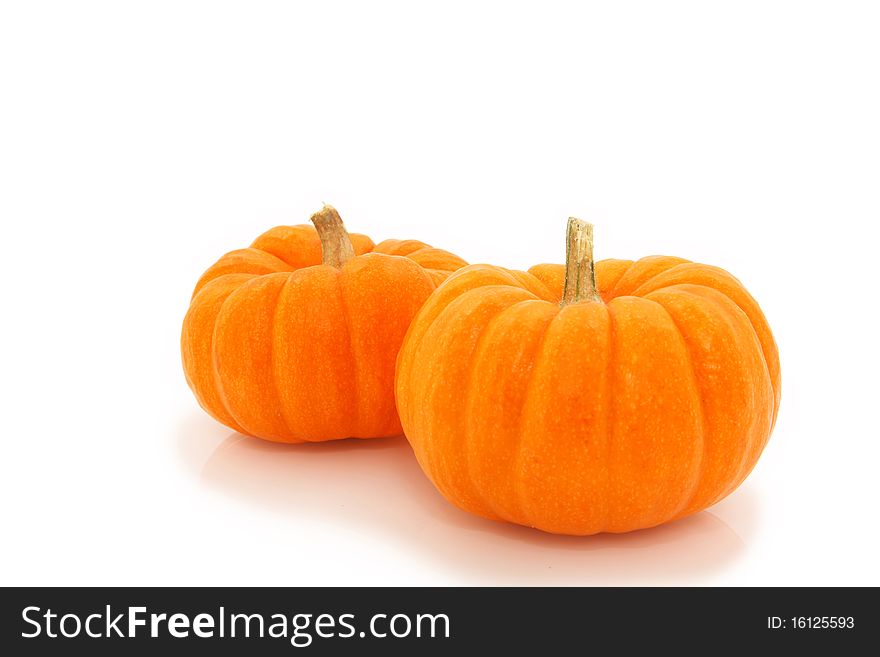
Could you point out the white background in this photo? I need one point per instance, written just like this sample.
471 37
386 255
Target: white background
140 141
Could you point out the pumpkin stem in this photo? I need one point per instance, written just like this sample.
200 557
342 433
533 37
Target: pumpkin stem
336 246
580 273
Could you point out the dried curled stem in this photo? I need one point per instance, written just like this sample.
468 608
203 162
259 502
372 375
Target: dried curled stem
336 246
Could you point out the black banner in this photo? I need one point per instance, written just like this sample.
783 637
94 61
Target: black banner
113 621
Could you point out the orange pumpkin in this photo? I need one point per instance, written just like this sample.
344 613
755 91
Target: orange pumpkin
295 338
585 399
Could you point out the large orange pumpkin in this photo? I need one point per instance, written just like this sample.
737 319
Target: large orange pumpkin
295 338
584 399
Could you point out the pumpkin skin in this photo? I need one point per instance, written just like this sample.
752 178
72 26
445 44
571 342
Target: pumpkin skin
647 405
277 345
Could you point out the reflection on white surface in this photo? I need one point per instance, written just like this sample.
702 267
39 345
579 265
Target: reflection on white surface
377 487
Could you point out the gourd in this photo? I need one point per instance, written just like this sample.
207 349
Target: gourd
295 338
588 398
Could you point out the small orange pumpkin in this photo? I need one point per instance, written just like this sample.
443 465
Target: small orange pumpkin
631 394
295 338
